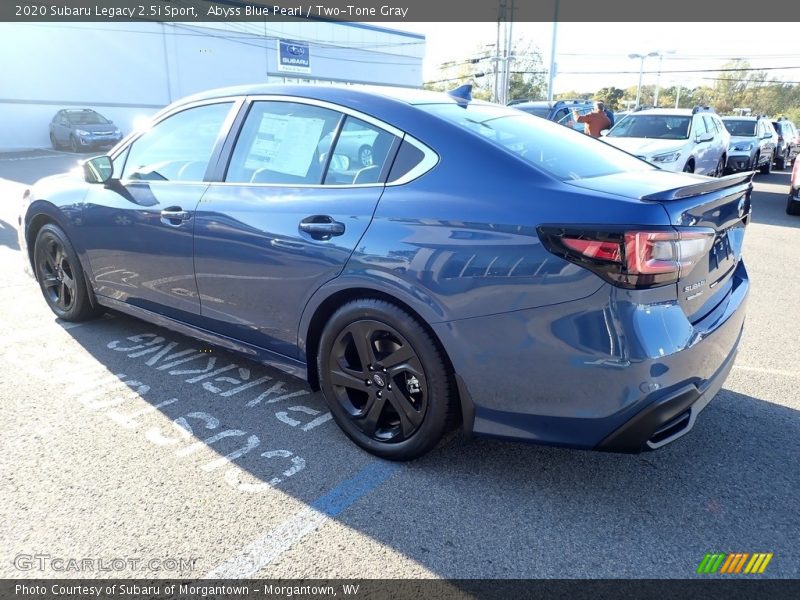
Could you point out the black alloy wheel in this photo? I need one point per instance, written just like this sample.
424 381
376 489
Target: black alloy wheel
60 276
384 379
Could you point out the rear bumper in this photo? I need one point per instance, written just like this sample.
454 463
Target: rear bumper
614 371
668 416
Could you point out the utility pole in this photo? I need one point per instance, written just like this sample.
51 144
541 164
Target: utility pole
641 71
658 76
552 73
501 15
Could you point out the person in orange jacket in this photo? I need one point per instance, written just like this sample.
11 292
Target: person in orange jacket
595 121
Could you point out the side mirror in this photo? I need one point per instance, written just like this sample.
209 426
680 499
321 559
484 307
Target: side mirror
704 137
98 169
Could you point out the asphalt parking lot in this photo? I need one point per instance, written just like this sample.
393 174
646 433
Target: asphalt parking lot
126 441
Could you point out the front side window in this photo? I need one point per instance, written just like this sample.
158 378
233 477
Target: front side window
283 143
179 147
562 153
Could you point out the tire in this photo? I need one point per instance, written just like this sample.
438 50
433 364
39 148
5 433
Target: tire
754 166
54 143
408 404
766 168
792 207
61 277
688 167
720 170
780 162
365 156
73 144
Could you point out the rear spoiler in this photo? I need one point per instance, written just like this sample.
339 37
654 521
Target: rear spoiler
706 187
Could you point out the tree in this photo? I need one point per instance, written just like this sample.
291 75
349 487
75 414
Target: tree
527 73
611 96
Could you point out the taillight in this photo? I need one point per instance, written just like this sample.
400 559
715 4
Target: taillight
633 258
795 182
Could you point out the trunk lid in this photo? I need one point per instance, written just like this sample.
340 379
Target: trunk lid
721 204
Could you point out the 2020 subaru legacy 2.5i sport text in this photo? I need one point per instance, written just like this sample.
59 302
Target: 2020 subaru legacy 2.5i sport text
484 265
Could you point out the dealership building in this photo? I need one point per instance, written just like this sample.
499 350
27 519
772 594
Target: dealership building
128 71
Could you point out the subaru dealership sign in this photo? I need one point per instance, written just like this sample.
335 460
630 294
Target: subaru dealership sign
293 56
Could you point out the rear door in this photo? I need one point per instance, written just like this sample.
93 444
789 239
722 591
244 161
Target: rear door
291 205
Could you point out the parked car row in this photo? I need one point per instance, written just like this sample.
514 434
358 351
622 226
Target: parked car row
81 129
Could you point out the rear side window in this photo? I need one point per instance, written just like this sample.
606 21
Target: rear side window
360 153
283 143
711 127
564 154
408 157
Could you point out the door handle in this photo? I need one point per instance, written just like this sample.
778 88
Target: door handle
174 216
321 227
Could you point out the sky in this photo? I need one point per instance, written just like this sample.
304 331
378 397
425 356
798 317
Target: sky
584 49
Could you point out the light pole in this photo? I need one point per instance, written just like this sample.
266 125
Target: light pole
658 76
641 71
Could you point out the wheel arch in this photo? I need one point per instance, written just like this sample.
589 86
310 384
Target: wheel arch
313 323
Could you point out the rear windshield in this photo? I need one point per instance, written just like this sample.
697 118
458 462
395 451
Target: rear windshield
539 111
557 150
659 127
740 127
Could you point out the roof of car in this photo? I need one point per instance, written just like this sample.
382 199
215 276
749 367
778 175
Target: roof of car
682 112
329 92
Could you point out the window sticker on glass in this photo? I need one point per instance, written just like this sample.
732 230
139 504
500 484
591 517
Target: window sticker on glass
285 144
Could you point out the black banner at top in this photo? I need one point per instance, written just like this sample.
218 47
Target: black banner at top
402 11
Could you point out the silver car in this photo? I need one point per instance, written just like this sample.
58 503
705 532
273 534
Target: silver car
752 145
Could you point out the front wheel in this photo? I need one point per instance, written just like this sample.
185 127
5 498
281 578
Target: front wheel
792 207
365 156
766 168
780 162
53 142
60 276
73 144
384 379
720 170
688 167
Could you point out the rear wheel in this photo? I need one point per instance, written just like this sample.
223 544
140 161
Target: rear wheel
792 207
384 379
60 276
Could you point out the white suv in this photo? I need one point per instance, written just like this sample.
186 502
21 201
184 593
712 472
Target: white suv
693 141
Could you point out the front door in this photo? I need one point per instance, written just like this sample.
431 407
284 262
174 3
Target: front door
139 226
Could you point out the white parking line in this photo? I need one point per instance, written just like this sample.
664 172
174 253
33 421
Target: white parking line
275 542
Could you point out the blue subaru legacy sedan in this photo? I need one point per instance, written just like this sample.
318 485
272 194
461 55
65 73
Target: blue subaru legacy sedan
477 265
